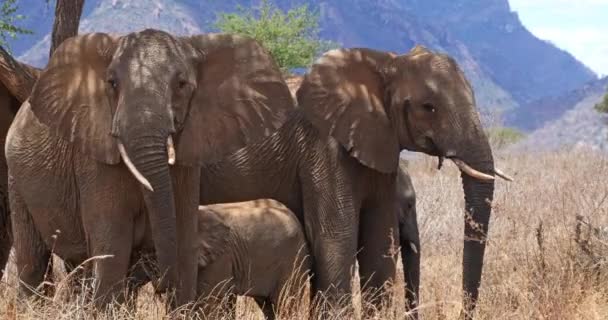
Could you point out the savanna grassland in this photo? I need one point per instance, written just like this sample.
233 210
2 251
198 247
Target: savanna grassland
547 256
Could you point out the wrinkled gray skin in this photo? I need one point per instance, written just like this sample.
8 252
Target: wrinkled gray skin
345 195
265 235
8 108
250 248
68 190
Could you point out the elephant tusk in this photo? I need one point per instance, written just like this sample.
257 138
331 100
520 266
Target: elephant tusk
470 171
170 150
133 169
413 246
503 175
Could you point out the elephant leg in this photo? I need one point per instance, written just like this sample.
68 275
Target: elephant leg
378 235
32 256
331 225
267 306
410 256
108 213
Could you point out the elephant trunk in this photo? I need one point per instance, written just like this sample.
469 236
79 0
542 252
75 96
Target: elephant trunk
478 194
147 158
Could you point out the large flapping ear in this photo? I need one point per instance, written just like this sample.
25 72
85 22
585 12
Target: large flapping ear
343 97
71 96
241 97
213 236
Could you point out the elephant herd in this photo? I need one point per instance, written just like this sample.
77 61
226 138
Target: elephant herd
123 138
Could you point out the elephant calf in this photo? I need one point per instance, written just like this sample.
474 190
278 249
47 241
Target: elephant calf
409 237
253 248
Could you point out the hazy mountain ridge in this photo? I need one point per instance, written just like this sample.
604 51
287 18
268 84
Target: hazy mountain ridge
508 67
579 127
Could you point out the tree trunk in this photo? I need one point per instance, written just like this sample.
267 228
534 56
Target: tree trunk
67 19
19 78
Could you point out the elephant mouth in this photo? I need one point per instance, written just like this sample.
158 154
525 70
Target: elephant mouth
470 171
133 169
434 150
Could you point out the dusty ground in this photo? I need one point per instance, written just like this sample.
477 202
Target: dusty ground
538 265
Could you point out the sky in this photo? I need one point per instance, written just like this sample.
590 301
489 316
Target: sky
577 26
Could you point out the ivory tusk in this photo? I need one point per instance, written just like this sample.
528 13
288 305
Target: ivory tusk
470 171
413 246
170 150
133 169
503 175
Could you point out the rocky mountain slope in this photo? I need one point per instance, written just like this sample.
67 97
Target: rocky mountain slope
579 127
507 65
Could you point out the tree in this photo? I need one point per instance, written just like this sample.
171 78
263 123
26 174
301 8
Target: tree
67 19
8 18
19 78
291 37
603 106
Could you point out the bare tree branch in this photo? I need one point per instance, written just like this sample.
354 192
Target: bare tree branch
67 19
19 78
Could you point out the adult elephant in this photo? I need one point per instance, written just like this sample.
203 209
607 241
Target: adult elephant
335 160
12 87
146 98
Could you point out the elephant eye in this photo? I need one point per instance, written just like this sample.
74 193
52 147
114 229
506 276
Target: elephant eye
181 84
429 107
113 83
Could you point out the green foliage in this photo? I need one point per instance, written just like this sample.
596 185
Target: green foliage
504 136
603 106
291 37
8 18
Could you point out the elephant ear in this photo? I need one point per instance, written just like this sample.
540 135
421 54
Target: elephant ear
71 97
213 236
343 95
241 97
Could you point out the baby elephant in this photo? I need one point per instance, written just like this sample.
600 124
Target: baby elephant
409 237
254 248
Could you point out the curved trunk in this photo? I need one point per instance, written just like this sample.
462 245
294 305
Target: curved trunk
149 156
478 196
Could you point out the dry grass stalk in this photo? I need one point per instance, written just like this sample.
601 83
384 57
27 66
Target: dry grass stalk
556 271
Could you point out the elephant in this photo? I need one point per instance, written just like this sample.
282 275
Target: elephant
8 108
255 248
409 237
92 153
334 161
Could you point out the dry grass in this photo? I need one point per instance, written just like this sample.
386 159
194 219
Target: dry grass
540 265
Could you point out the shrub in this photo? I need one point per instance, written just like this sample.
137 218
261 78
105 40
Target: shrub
291 37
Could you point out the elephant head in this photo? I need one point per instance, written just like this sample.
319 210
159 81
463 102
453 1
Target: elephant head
151 100
376 104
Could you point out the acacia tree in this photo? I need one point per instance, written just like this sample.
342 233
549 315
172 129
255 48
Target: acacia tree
603 105
19 78
292 37
8 19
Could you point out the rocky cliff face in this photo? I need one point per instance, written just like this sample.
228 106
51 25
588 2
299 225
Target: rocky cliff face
508 67
579 126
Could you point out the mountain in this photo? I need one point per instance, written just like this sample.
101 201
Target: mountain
580 126
508 66
547 109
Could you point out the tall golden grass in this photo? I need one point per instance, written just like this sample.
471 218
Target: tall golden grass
547 256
